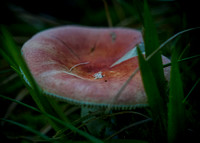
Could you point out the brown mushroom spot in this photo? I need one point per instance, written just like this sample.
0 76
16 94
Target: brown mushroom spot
74 63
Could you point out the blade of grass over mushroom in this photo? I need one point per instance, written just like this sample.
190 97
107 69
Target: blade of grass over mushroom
176 115
46 138
148 58
154 99
130 54
35 91
65 124
151 44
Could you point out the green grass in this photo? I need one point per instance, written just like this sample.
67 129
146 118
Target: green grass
173 109
176 108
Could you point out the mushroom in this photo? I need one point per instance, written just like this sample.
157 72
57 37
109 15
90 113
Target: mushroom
87 66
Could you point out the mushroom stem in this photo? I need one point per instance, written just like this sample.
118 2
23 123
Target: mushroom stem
97 126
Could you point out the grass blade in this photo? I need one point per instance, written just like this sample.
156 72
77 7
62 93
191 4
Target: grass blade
183 60
150 37
151 44
107 13
154 99
7 58
169 40
46 138
196 83
21 103
176 115
14 54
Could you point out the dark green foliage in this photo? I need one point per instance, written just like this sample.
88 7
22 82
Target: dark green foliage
151 44
176 109
154 99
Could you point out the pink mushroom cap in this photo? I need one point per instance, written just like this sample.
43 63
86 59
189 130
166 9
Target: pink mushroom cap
76 64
